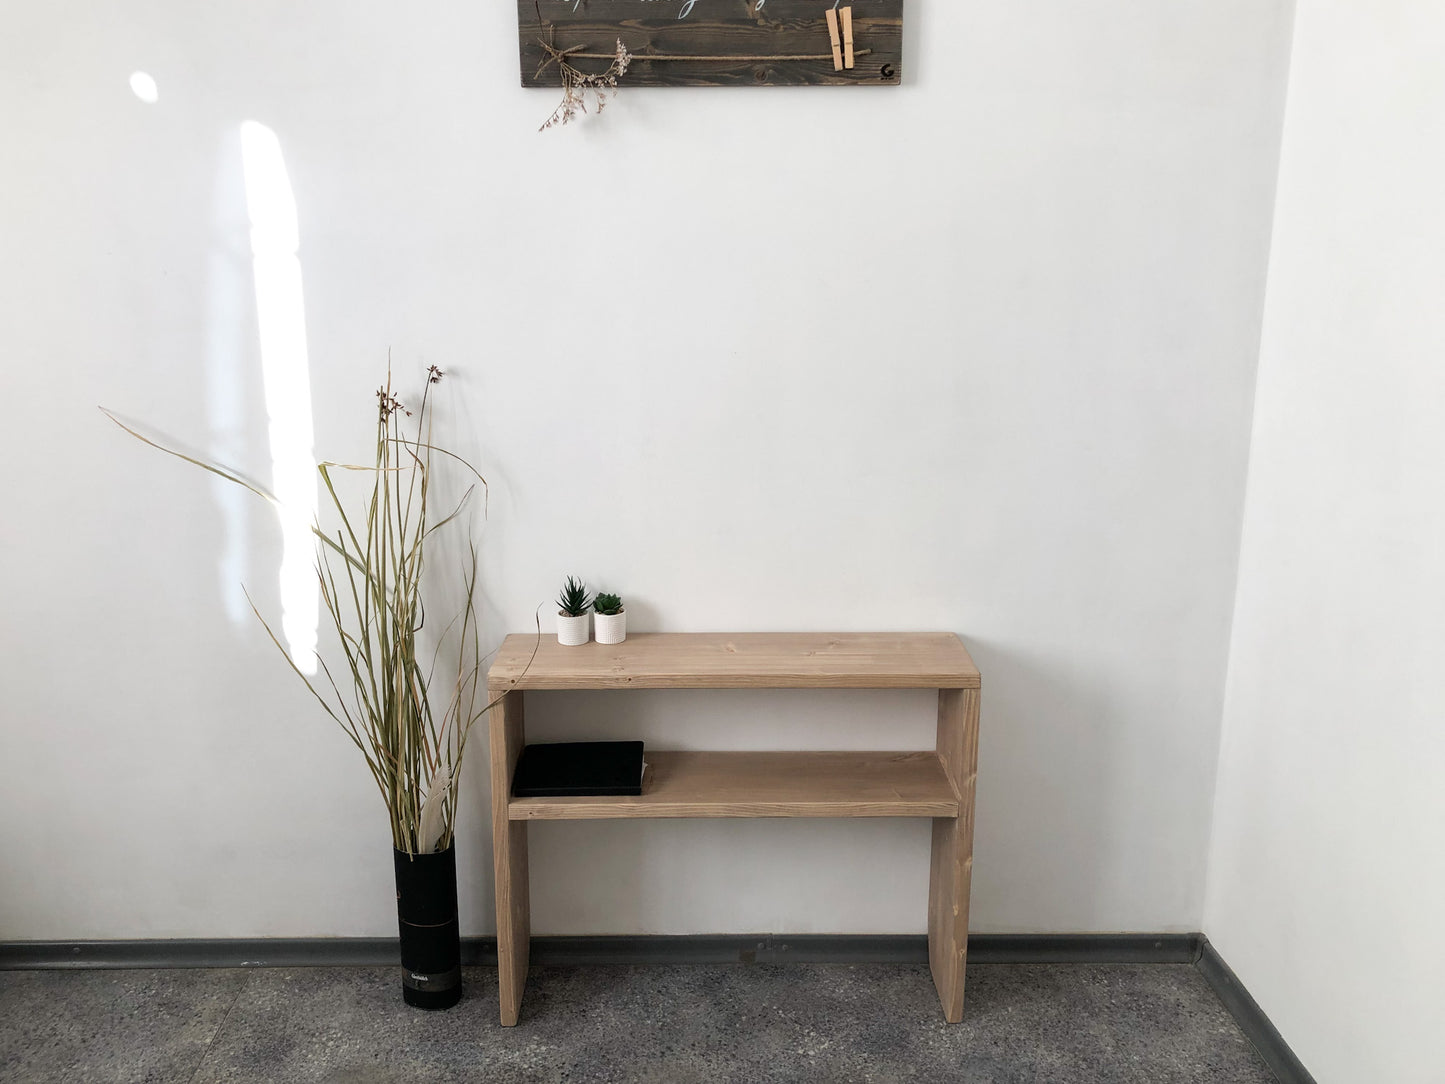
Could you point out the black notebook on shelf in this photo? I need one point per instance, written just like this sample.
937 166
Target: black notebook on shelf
563 769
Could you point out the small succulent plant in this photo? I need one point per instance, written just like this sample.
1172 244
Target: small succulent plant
607 605
574 600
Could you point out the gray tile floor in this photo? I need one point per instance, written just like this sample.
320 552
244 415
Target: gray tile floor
1072 1023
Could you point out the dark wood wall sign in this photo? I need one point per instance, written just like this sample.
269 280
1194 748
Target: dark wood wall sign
716 42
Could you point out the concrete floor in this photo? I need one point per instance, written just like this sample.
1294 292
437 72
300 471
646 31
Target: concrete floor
1122 1024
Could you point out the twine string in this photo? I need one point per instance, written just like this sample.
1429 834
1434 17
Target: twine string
723 59
553 55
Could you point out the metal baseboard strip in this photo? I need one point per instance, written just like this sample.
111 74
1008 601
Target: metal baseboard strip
1251 1018
184 952
1084 948
563 951
733 949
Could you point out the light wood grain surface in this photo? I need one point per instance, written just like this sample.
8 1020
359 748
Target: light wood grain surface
739 660
509 856
951 870
771 784
938 783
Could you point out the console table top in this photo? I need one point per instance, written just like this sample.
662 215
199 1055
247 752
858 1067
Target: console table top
738 660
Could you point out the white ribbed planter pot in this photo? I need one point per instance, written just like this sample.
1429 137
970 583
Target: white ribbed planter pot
572 631
611 628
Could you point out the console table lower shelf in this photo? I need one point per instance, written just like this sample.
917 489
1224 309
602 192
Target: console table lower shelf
937 783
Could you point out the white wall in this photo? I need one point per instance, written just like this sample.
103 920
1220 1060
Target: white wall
1326 884
975 354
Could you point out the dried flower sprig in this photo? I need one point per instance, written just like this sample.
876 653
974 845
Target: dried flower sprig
576 85
390 404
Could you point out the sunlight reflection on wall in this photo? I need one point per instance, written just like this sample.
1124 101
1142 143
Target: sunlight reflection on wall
285 370
231 350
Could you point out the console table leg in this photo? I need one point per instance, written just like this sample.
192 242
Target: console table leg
952 864
514 922
509 852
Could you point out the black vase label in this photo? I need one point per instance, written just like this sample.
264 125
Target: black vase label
415 980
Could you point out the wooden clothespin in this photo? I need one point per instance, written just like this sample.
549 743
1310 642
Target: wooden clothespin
833 33
847 14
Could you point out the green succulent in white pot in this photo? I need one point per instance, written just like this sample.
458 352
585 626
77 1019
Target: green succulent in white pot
573 604
408 719
610 618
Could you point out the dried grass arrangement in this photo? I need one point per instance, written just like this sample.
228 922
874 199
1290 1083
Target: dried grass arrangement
382 688
576 85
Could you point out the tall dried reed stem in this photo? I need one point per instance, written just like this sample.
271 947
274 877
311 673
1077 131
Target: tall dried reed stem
370 568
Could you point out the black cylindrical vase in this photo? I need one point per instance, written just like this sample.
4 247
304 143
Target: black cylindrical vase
426 911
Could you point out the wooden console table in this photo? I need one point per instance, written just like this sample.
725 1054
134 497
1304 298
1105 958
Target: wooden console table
938 783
